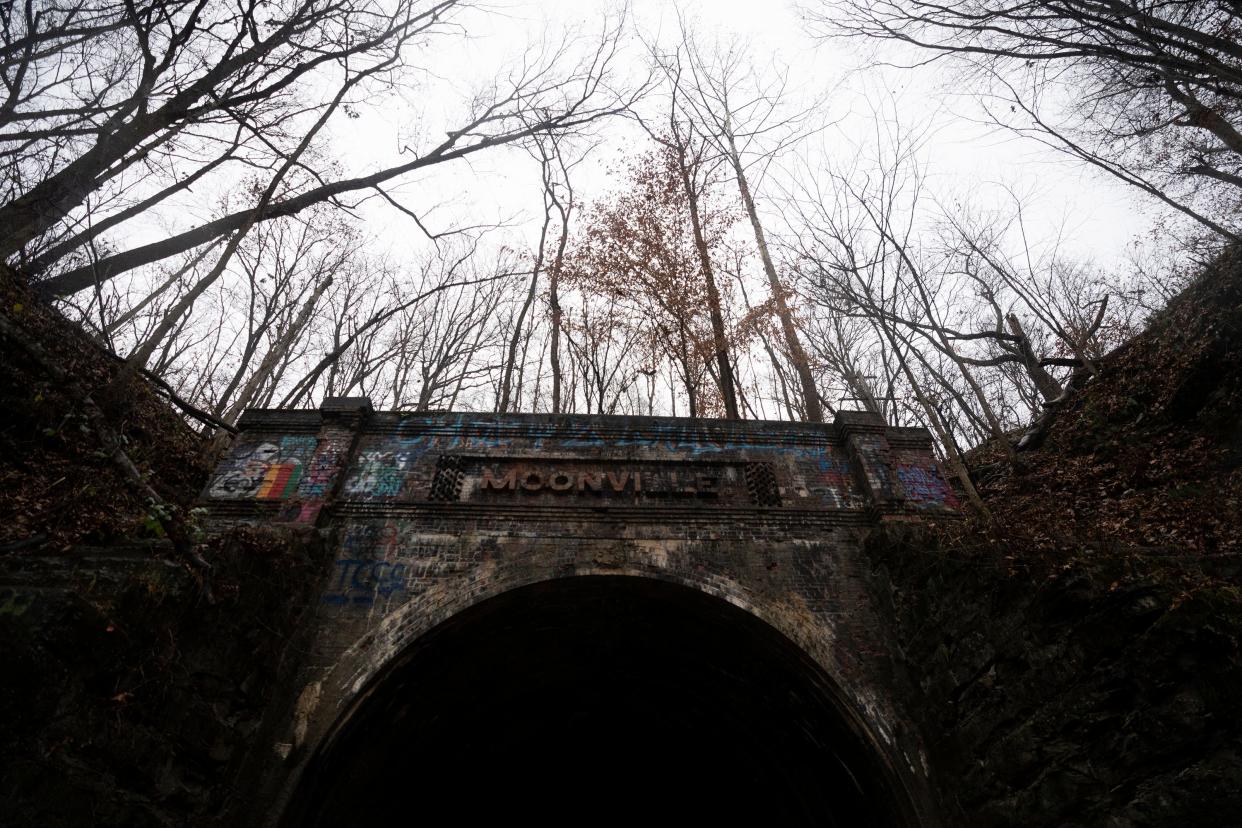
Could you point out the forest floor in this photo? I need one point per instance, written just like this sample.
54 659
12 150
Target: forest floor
58 484
1146 460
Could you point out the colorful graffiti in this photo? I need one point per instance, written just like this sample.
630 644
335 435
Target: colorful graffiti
264 471
664 460
379 473
319 473
925 487
836 479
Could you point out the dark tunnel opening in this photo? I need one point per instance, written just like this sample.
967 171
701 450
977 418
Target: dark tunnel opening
598 700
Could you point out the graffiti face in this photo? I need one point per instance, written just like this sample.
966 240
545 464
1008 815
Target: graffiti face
266 471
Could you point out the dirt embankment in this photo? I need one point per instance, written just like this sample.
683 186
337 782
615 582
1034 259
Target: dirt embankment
1077 655
59 486
135 681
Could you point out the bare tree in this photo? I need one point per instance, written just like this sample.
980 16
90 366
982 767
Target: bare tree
438 348
742 118
349 358
602 343
152 73
1151 91
558 205
540 96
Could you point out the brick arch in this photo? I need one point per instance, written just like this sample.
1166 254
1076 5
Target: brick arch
366 657
403 632
428 516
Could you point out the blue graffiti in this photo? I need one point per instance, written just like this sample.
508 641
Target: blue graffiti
361 581
298 444
924 485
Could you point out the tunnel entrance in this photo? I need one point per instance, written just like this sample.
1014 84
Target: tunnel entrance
599 700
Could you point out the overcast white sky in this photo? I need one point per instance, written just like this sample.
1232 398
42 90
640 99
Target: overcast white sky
1096 217
1100 217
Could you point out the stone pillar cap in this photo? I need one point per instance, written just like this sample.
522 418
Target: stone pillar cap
346 405
859 421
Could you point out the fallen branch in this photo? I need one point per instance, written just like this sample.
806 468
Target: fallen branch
167 390
1038 430
33 540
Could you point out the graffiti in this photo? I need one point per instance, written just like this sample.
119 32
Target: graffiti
384 560
379 473
360 581
870 455
372 540
265 471
832 480
319 474
925 487
642 462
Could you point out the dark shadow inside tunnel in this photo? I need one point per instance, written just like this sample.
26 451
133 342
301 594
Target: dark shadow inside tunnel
598 700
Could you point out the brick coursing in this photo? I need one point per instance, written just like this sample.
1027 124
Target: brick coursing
432 513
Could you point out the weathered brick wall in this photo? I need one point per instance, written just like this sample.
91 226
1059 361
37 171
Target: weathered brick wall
433 513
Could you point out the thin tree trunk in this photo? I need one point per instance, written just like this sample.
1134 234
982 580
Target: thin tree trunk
554 300
276 354
1047 384
720 345
142 354
155 294
810 394
506 381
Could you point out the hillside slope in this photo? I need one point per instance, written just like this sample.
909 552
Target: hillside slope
135 678
1149 455
1078 652
58 484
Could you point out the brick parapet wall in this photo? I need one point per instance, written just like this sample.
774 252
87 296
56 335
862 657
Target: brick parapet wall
289 465
433 513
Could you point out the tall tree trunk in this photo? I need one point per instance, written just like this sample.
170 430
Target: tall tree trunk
276 353
554 346
142 354
506 381
720 343
1047 384
159 291
554 300
810 394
